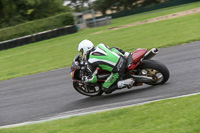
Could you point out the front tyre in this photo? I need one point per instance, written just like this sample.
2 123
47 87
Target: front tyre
156 70
88 90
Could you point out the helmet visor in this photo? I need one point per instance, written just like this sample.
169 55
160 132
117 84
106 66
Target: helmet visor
81 52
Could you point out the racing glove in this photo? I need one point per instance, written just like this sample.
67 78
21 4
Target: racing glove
85 79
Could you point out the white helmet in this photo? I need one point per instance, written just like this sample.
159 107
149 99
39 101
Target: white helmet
84 46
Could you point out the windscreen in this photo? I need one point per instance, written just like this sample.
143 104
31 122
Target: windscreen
75 63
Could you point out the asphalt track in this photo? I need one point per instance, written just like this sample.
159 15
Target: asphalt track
43 95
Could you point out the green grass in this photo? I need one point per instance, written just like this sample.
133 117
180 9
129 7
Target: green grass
153 14
59 52
179 115
147 15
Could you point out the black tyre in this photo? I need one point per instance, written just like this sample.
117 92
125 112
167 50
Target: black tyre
155 69
89 90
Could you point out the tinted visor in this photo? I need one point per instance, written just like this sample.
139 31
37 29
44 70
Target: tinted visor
81 52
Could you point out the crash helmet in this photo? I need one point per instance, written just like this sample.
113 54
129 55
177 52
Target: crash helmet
85 46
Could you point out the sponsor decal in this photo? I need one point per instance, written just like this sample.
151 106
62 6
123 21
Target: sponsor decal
71 73
111 80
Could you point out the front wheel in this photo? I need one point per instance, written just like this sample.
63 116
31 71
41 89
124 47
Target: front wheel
88 90
156 70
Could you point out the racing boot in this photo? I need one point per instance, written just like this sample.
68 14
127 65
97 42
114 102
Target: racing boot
125 83
110 90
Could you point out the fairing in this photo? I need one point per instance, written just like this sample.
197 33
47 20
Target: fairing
75 65
136 56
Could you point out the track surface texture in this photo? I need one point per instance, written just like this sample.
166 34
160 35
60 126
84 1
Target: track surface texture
43 95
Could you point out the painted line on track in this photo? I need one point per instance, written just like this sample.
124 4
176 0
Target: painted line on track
80 113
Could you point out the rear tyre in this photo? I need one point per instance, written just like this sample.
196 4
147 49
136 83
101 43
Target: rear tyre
89 90
156 70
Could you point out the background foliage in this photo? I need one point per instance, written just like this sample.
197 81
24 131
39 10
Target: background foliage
36 26
103 5
14 12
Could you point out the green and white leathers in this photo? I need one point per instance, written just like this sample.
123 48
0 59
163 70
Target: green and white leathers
106 59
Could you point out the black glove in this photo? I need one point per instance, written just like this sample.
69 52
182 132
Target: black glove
84 79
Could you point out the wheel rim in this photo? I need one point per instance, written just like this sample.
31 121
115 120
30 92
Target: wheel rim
89 90
157 77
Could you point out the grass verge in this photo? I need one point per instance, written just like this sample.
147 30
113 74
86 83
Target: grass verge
59 52
145 16
180 115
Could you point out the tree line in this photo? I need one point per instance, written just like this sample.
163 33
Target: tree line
13 12
113 5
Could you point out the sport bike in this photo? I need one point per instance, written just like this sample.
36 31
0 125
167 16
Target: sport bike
139 66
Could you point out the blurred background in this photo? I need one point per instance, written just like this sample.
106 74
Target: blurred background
32 21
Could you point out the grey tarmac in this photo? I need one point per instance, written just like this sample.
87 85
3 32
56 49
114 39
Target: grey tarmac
48 94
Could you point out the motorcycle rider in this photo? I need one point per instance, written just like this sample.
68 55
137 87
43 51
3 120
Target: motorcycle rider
109 59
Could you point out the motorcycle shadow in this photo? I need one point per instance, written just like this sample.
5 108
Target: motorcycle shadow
132 93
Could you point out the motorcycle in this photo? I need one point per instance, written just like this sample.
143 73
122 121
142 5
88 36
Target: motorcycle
139 66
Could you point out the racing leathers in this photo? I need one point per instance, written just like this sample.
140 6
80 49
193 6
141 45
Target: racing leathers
111 60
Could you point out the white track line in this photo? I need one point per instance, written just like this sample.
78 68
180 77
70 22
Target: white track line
63 115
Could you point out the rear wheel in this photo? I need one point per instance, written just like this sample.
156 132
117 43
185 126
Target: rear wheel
88 90
156 70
